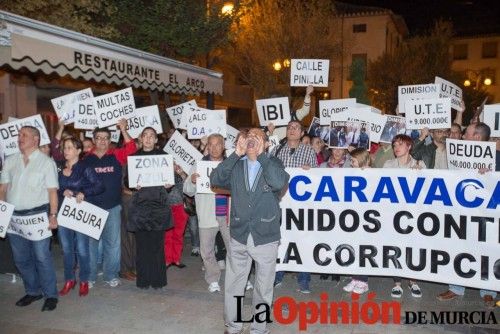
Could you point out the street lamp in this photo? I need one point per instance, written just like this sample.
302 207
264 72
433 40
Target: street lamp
277 66
478 78
227 9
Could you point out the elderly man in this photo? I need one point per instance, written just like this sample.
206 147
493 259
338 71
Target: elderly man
255 181
29 182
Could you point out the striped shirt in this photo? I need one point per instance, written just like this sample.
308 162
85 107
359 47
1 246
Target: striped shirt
298 157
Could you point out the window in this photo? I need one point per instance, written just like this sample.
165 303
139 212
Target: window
359 27
490 49
460 51
363 58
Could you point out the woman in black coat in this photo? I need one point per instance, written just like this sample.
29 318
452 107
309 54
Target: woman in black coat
149 217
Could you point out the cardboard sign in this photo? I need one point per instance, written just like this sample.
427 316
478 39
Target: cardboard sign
428 113
185 154
82 217
203 122
305 72
349 133
276 111
470 155
231 134
204 169
413 92
179 112
150 170
67 106
328 108
448 89
115 135
492 118
85 118
365 114
112 107
6 210
143 118
395 125
34 227
9 132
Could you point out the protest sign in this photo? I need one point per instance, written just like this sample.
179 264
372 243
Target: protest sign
448 89
115 135
414 92
184 154
82 217
273 142
179 112
470 155
112 107
85 118
67 106
430 225
6 210
365 114
9 132
33 227
203 122
428 113
305 72
492 118
231 134
395 125
276 111
150 170
349 133
204 169
317 130
329 108
143 118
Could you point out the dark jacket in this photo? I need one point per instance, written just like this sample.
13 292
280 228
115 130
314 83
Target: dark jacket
426 153
83 179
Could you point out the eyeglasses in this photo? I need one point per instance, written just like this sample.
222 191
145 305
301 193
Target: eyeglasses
101 138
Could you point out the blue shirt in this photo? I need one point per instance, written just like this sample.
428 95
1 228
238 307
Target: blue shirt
253 169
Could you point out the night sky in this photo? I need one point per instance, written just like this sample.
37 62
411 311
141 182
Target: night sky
469 17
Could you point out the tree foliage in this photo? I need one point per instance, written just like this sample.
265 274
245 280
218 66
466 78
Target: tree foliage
359 90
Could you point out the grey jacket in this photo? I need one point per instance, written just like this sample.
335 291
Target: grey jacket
254 210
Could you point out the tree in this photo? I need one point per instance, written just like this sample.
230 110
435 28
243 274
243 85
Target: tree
358 74
85 16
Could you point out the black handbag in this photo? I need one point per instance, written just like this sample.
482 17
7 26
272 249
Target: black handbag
189 205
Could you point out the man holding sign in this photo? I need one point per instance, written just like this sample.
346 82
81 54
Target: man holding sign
29 182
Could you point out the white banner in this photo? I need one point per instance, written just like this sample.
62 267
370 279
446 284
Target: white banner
414 92
395 125
6 210
112 107
448 89
305 72
492 118
276 111
9 132
428 113
204 169
67 106
150 170
185 154
432 225
470 155
82 217
329 108
143 118
231 133
34 227
179 112
203 122
365 114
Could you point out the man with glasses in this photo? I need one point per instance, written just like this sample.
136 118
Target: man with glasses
433 154
108 163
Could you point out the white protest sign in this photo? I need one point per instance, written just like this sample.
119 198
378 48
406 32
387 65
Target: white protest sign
448 89
9 132
231 134
428 113
329 108
413 92
305 72
204 169
85 118
115 135
276 111
33 227
6 210
395 125
67 106
431 225
365 114
492 118
273 142
470 155
112 107
143 118
203 122
150 170
179 112
185 154
82 217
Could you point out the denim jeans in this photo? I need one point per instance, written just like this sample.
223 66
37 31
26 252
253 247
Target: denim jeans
34 261
71 240
110 238
302 278
460 290
193 231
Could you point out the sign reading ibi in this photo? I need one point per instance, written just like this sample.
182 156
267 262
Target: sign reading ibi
275 110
